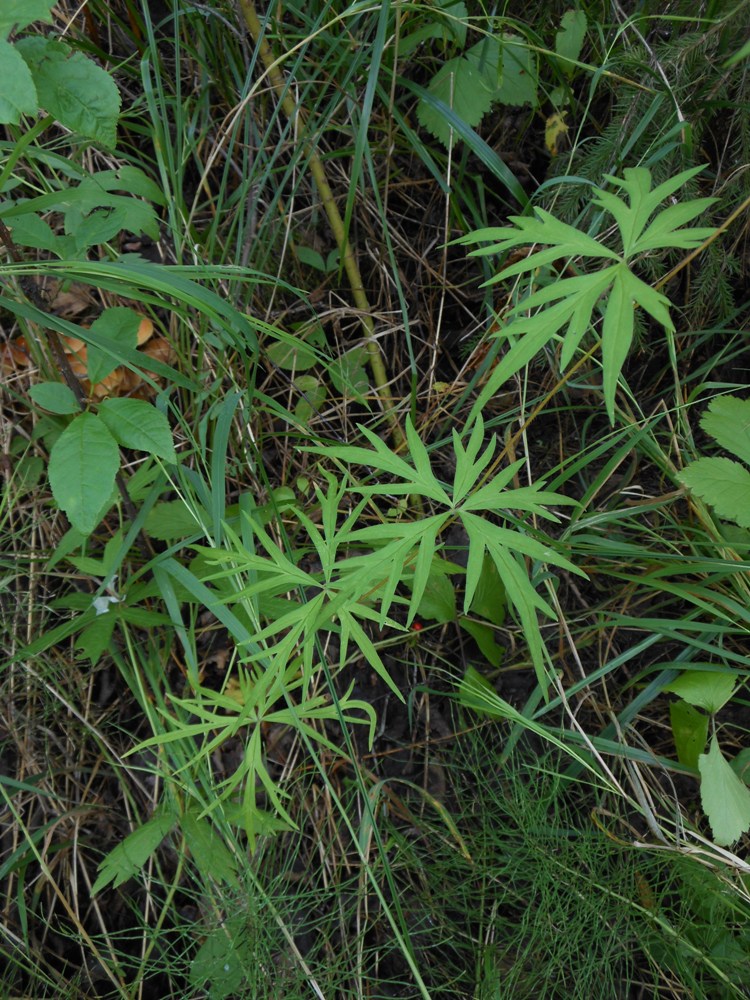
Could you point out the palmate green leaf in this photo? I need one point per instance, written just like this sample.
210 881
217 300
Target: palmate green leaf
632 217
542 228
724 484
83 464
727 420
725 798
613 290
417 479
469 466
401 549
530 499
351 630
661 233
413 543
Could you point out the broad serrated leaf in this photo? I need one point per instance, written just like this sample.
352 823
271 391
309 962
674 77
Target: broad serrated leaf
517 79
170 520
95 638
708 689
727 420
18 14
209 852
127 179
55 397
83 464
130 857
461 86
494 71
134 423
91 215
724 484
30 230
569 39
119 325
18 94
725 798
73 89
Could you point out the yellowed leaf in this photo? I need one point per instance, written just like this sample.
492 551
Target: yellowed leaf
555 129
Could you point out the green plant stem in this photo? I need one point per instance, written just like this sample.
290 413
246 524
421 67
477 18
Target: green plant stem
317 169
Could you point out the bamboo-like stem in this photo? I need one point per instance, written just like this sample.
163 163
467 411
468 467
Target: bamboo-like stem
317 169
